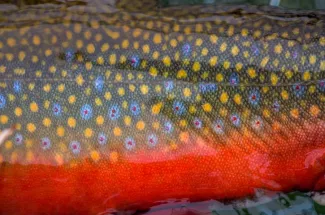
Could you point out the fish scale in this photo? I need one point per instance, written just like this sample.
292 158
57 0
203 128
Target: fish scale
156 85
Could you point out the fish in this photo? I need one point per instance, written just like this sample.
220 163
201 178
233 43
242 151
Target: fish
120 105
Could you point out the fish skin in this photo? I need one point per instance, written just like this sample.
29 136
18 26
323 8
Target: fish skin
133 105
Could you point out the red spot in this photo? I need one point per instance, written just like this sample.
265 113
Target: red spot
234 118
176 108
101 139
86 112
44 143
130 142
253 97
74 146
113 111
134 108
297 87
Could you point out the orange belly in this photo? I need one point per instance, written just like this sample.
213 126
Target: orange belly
198 172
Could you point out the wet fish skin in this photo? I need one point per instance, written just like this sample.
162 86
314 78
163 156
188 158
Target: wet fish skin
136 106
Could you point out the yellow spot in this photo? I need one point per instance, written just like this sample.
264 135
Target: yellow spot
121 91
312 59
153 71
36 40
31 86
224 97
60 131
2 69
306 76
47 122
322 41
223 47
127 120
113 157
71 122
47 88
94 155
289 74
219 77
59 159
181 74
125 44
213 38
88 66
184 137
166 61
18 111
196 66
33 107
207 107
90 48
213 61
144 89
146 48
237 99
187 92
274 79
117 131
251 72
226 64
278 49
198 42
8 144
4 119
21 56
108 95
112 59
11 42
173 43
61 88
104 47
314 110
47 104
72 99
294 113
156 108
264 61
239 66
29 156
140 125
80 80
19 71
285 95
31 127
88 132
157 38
234 50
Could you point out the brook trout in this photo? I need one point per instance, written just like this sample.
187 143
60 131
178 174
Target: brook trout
125 105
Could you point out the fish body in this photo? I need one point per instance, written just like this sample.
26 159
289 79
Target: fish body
132 105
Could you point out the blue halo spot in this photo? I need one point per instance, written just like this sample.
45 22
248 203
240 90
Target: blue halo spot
99 83
186 49
321 85
135 108
234 79
86 112
114 112
178 108
218 127
207 87
102 139
276 106
168 127
169 86
254 97
57 110
298 90
18 139
69 55
197 123
45 143
75 147
3 101
152 140
135 61
17 87
129 143
234 118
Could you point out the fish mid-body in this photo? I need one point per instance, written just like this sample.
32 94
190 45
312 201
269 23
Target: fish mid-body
118 108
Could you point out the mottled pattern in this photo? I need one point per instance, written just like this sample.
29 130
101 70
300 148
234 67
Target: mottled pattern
116 82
